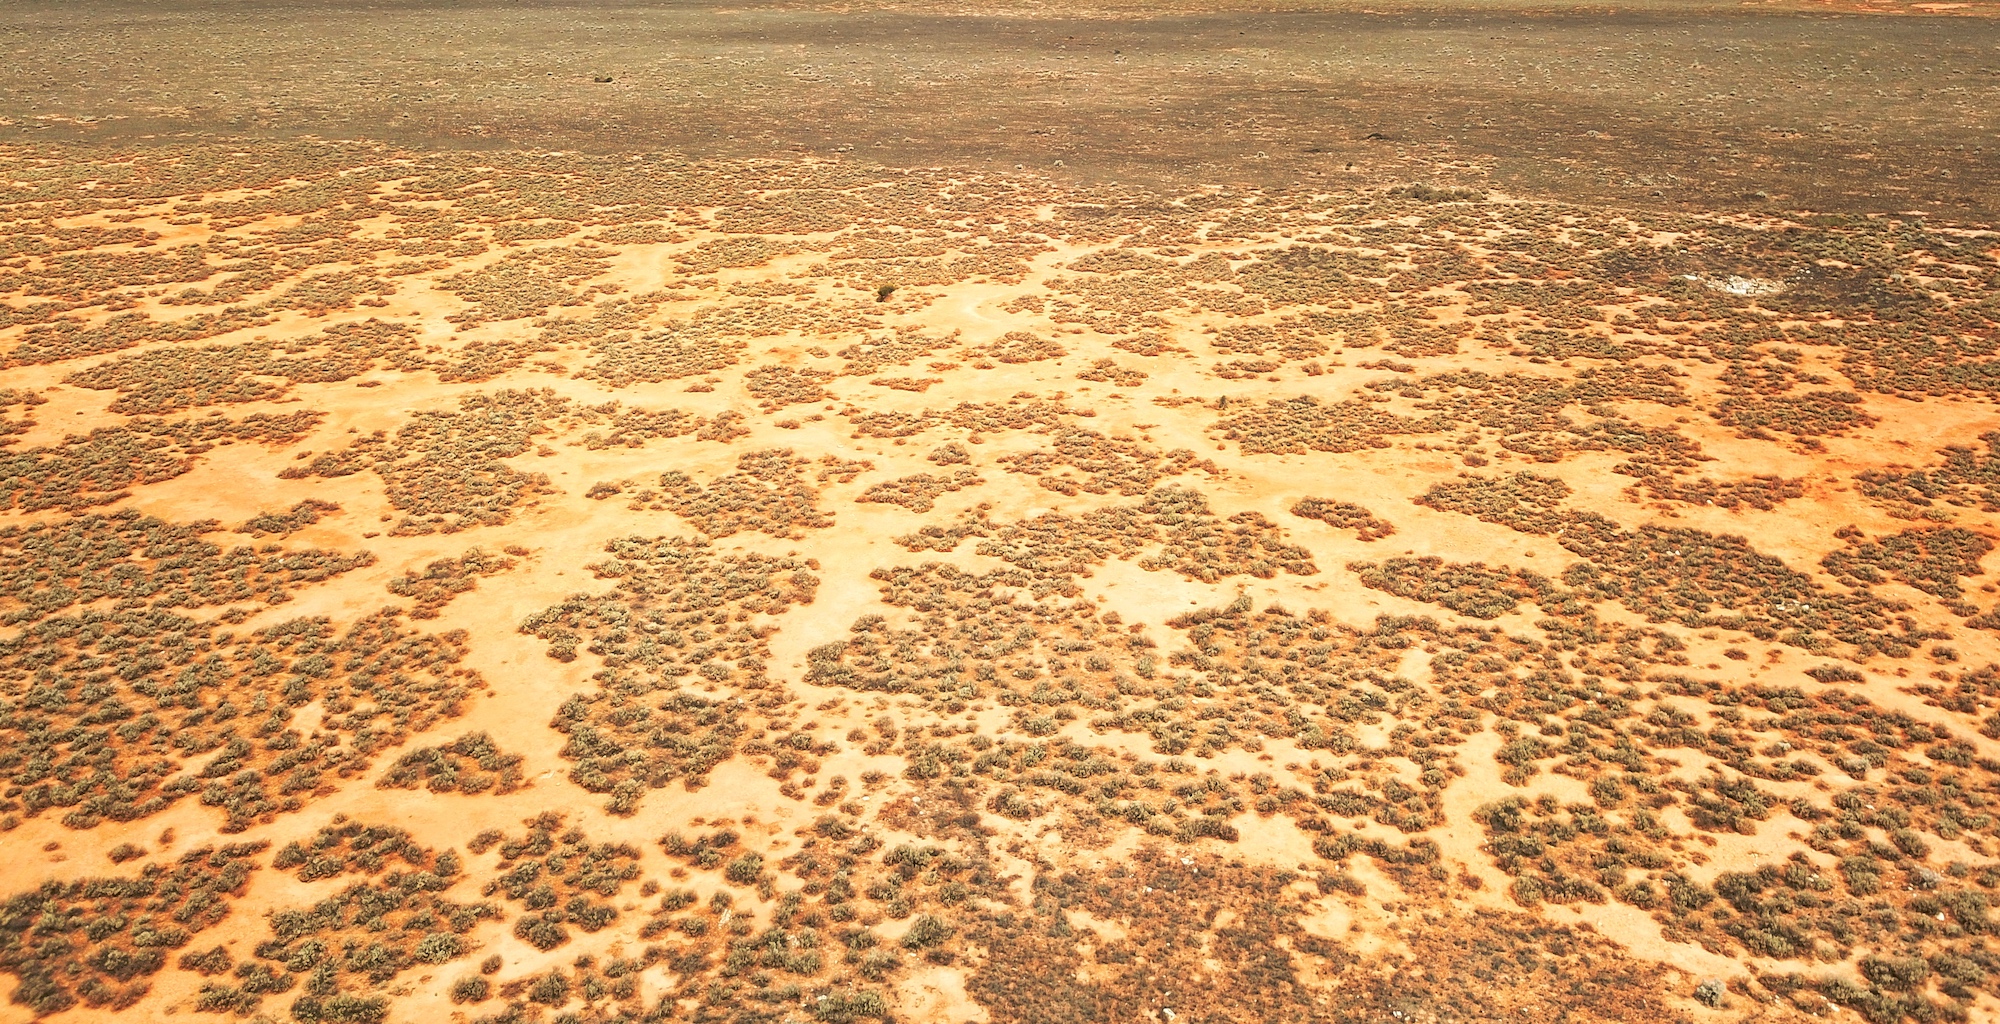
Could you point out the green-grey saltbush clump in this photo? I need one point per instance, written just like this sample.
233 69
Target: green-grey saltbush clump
445 579
669 632
99 941
196 712
142 561
472 763
919 492
88 470
337 953
1528 502
560 879
1931 560
444 470
290 521
767 493
1344 515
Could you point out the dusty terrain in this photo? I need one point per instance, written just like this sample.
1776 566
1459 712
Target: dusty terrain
553 550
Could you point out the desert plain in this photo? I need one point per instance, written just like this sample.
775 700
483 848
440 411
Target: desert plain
789 512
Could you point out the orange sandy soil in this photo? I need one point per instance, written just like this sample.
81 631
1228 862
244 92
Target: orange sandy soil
1358 935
